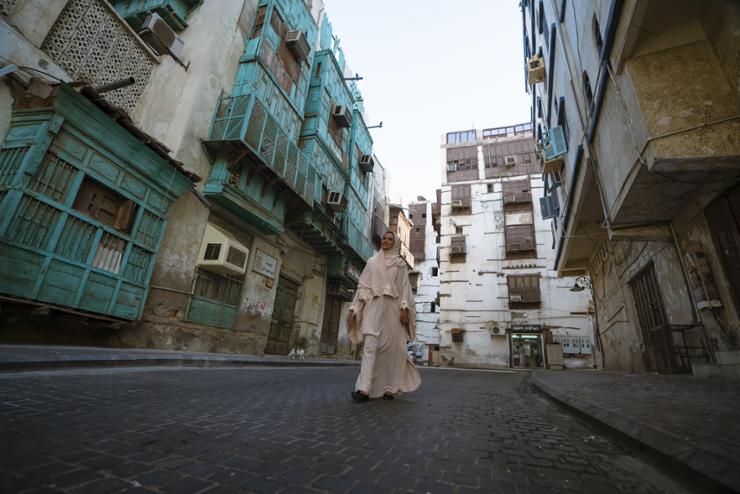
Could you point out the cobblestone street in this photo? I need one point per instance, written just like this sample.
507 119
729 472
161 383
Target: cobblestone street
296 430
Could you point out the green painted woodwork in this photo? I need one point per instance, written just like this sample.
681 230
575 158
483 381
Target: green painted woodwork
173 12
243 132
212 313
51 252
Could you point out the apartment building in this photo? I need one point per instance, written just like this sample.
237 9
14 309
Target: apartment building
635 106
251 98
501 303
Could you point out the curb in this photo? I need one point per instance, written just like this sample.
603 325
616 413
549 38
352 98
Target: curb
41 365
672 447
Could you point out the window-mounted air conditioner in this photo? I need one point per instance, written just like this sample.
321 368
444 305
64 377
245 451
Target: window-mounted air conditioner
513 247
553 143
536 69
515 297
366 163
160 36
457 203
298 45
510 161
456 249
342 116
451 167
510 199
548 207
335 201
220 253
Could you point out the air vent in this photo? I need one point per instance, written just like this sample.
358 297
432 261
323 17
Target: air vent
366 163
342 116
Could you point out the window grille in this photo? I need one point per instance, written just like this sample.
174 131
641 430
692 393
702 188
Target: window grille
91 43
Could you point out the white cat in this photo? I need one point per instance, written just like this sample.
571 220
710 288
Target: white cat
298 353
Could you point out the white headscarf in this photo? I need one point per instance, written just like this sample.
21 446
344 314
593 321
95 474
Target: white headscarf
374 280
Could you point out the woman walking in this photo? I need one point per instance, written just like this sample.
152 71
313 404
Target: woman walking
383 312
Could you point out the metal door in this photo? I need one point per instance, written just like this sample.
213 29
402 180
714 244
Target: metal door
282 317
330 328
653 321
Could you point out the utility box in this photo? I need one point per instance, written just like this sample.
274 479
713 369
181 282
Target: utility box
554 356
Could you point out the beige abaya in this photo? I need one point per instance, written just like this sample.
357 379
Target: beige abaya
382 292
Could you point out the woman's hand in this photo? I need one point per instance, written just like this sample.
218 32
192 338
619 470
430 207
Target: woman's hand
405 317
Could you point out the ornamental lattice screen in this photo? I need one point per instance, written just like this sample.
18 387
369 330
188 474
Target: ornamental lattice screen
7 7
92 44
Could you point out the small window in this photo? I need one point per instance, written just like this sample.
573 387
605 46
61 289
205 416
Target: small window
458 230
458 335
489 188
433 307
435 271
105 205
597 36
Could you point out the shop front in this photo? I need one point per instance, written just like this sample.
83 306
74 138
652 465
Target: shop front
526 346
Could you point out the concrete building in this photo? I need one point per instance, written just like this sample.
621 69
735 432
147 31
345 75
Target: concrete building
635 105
251 96
425 279
401 225
501 303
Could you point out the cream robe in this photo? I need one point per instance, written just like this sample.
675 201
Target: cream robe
383 291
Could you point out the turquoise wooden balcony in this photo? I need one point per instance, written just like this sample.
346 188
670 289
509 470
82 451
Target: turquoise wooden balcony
244 131
319 231
83 208
358 242
173 12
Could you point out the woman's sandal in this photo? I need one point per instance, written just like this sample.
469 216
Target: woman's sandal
360 396
387 396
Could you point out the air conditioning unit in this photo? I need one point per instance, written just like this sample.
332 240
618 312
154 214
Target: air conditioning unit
457 203
554 165
553 143
335 201
451 167
510 161
513 247
457 249
548 207
366 163
515 297
160 36
342 116
298 45
510 199
220 253
536 69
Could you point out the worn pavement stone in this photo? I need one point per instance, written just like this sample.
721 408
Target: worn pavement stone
296 430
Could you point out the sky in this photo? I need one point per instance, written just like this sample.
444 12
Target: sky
431 67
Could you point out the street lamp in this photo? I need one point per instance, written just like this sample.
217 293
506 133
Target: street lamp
581 283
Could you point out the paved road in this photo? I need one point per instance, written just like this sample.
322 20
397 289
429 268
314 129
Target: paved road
296 430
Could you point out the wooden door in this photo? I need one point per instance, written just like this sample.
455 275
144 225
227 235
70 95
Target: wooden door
282 317
653 321
330 328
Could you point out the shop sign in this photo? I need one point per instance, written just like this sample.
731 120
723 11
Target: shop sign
526 328
265 264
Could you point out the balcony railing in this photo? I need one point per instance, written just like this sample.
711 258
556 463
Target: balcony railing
245 121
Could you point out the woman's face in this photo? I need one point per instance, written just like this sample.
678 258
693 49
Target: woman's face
388 240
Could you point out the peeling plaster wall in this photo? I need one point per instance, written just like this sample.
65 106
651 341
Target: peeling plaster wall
34 18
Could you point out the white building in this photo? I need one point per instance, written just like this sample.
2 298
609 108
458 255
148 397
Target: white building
501 302
425 276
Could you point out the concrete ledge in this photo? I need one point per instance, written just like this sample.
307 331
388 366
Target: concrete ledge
673 447
30 358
